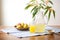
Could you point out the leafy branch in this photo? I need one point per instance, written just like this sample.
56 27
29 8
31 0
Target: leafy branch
43 5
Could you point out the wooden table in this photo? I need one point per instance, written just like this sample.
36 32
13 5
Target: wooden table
4 36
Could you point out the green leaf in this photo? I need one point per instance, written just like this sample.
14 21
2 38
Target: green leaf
51 2
39 8
28 6
48 7
32 0
45 12
54 13
43 4
42 0
42 7
35 12
49 15
33 8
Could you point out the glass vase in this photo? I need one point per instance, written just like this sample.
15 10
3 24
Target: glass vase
38 24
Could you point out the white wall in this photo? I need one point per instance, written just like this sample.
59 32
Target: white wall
56 6
13 12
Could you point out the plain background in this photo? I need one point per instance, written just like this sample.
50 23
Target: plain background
13 12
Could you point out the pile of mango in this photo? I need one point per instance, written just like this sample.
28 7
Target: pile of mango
22 26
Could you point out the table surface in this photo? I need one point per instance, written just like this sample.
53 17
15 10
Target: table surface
4 36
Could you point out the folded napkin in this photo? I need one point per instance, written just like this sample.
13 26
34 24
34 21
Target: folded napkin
17 33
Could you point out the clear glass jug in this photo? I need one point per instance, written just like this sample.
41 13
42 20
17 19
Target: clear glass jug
38 24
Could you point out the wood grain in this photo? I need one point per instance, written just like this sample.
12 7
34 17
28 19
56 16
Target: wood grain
4 36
